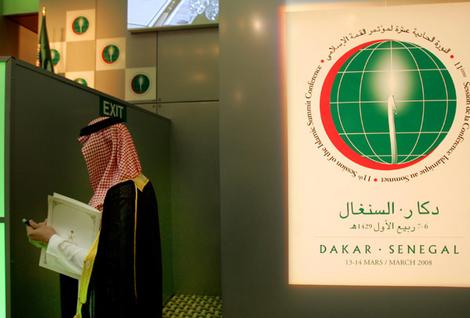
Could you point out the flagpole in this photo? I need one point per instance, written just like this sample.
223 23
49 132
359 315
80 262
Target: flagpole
38 53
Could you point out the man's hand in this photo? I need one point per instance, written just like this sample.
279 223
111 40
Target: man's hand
40 231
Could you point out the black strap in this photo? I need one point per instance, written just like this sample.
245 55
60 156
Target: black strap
88 130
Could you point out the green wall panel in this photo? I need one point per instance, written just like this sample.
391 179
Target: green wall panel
195 196
2 138
37 100
3 303
10 7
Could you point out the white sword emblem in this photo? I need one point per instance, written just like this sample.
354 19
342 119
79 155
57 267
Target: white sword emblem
392 110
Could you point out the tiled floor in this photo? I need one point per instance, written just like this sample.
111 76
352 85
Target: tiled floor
193 306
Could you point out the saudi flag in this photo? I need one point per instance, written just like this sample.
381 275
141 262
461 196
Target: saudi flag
44 59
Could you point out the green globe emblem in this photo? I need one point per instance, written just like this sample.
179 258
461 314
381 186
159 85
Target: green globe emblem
80 25
110 54
81 81
387 104
140 83
55 56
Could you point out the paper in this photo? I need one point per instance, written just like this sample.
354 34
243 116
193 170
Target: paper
73 220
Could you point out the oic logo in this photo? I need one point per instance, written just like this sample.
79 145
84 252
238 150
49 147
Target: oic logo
140 83
387 104
110 54
81 81
55 56
80 25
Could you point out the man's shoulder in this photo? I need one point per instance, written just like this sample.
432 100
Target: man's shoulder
127 185
121 188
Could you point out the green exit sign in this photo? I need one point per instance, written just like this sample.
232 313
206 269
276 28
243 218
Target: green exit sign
111 108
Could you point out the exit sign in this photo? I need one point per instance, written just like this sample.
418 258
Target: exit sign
111 108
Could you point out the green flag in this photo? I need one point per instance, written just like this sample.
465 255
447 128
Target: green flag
44 59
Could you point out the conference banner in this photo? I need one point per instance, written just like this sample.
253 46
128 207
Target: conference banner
378 130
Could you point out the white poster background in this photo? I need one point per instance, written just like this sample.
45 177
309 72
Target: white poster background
89 35
319 190
60 47
151 93
88 76
120 63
